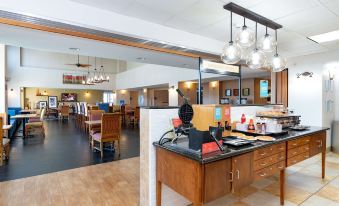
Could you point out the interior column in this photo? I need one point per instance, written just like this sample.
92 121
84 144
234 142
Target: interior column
3 93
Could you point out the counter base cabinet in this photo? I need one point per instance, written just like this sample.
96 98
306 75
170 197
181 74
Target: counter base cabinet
204 182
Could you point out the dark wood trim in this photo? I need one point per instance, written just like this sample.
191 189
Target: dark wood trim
95 37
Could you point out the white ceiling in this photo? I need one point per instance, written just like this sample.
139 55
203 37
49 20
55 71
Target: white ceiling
300 18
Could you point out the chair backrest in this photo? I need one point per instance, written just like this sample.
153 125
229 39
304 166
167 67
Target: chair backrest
137 113
104 106
111 125
94 107
42 114
78 108
95 115
1 135
122 109
64 110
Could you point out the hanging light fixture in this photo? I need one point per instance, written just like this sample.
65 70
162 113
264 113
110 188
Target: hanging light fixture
231 53
257 58
278 62
245 38
267 42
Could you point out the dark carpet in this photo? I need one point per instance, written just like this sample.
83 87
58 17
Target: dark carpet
64 147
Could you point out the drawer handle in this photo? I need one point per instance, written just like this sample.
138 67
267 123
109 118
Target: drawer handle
321 143
231 180
263 175
294 144
295 153
262 154
306 156
307 140
281 167
281 148
238 174
263 164
294 161
306 148
271 149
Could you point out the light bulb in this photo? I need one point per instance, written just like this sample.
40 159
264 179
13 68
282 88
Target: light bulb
245 38
231 53
278 63
256 59
107 78
101 77
267 43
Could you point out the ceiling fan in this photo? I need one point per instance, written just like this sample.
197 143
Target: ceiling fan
80 65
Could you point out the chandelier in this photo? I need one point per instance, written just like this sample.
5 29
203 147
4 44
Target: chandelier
98 76
245 38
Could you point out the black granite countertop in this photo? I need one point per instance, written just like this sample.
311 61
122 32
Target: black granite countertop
181 147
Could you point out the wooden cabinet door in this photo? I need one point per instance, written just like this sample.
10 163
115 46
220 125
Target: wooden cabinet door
242 167
318 143
217 179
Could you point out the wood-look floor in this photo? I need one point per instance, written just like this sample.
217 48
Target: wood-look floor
114 183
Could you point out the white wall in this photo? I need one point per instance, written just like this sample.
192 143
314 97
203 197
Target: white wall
307 95
3 102
21 76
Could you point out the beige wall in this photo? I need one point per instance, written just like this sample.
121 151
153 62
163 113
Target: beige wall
189 90
123 95
160 97
211 92
133 98
31 99
234 84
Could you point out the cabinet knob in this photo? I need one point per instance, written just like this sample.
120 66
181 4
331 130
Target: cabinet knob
238 174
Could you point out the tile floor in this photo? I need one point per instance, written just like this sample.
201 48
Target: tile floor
304 187
117 183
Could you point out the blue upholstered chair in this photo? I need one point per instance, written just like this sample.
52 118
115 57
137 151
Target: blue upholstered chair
104 106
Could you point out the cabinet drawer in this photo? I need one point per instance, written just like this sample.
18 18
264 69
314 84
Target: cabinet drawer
298 150
268 171
267 161
297 142
268 151
298 158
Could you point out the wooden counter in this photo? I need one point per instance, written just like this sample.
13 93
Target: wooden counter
201 183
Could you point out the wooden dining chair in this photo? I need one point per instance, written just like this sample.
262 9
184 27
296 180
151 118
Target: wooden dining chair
110 132
135 117
64 112
4 143
36 124
94 115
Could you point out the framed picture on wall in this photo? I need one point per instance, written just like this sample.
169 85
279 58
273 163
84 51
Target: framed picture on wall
42 104
228 92
246 92
52 102
235 92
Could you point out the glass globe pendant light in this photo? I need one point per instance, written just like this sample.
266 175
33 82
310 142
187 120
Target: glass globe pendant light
278 62
267 43
231 53
245 38
256 58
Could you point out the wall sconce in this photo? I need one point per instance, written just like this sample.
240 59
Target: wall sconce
214 84
123 91
188 85
145 90
331 75
11 89
305 74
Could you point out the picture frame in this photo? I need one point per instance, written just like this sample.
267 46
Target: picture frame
246 92
42 104
52 102
235 92
228 92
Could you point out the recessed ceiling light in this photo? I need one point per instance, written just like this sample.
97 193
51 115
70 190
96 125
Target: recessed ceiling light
74 49
141 58
325 37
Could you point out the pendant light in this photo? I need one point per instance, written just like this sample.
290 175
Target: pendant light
245 38
278 62
231 53
267 42
257 58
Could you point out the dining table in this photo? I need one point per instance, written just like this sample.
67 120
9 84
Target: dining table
24 118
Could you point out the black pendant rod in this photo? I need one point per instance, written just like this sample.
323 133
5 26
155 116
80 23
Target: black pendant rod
276 40
231 28
256 34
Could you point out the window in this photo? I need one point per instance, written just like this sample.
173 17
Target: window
108 97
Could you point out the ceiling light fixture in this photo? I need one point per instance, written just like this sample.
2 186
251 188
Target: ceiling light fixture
278 62
245 38
325 37
256 58
231 53
267 43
